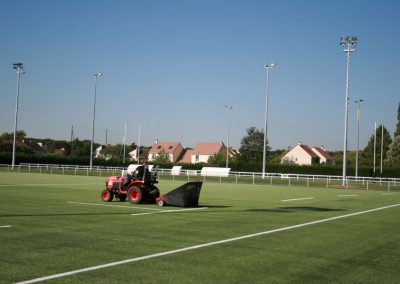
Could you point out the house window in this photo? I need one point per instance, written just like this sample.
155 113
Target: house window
197 158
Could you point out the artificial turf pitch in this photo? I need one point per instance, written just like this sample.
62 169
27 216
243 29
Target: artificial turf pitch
52 224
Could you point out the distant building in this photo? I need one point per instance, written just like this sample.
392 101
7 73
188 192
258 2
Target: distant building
324 157
172 149
300 155
186 156
143 156
203 151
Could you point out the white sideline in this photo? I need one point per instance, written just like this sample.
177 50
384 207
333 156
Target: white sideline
295 199
5 226
111 205
106 265
347 195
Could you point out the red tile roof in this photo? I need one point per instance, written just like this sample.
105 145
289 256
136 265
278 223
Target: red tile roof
166 147
208 148
323 153
308 150
187 157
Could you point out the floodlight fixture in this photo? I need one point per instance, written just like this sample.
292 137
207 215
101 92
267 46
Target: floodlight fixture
272 65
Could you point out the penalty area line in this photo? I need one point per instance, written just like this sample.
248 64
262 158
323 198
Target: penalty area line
136 259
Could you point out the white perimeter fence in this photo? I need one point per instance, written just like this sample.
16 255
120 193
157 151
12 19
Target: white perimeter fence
304 180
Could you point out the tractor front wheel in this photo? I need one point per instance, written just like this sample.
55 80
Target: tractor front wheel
107 196
135 195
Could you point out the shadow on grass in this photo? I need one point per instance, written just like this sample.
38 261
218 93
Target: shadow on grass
295 209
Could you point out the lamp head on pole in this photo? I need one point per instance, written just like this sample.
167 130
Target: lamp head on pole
348 40
19 67
97 75
272 65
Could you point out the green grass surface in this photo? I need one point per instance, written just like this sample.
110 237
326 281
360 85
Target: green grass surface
50 235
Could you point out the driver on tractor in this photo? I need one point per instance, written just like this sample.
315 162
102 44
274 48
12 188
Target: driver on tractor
142 173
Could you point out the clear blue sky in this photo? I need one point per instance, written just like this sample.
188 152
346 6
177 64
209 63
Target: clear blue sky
172 66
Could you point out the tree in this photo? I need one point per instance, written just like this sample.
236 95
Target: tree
162 158
251 146
116 151
217 160
81 148
397 131
368 152
19 135
393 154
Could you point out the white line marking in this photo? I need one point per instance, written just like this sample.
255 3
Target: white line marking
111 205
295 199
5 226
106 265
169 211
347 195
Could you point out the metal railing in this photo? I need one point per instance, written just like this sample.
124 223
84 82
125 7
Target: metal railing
291 180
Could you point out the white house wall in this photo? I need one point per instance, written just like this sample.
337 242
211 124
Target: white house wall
298 156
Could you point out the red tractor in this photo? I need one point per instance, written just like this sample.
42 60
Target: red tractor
139 188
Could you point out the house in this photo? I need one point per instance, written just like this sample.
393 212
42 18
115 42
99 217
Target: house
301 155
186 156
143 155
203 151
324 157
172 149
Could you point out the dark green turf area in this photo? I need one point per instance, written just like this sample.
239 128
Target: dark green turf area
53 231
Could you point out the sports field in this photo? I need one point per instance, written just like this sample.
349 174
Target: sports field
56 228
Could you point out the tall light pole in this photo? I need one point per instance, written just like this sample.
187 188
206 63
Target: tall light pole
358 102
349 43
95 76
20 70
266 67
228 108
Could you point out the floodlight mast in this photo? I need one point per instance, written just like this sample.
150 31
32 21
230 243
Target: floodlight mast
20 70
358 102
95 76
228 108
266 67
348 43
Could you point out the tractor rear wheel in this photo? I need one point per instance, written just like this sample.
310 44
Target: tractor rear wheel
107 196
135 195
